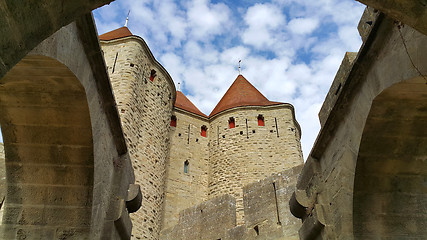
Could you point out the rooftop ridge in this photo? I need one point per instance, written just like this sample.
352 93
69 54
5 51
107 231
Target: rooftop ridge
184 103
115 34
241 93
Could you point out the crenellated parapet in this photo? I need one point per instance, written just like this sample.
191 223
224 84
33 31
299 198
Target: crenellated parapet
266 213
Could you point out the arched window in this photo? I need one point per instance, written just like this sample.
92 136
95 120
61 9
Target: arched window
231 123
204 129
186 165
173 121
153 74
260 120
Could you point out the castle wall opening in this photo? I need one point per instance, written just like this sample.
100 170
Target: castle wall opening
47 131
389 190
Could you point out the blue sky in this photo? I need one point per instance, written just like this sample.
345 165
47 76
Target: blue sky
290 49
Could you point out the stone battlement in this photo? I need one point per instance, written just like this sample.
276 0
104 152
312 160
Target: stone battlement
266 213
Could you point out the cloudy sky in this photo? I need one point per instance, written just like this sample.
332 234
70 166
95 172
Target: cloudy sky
290 49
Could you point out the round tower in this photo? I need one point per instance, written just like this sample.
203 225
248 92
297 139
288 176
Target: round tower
188 165
251 138
144 94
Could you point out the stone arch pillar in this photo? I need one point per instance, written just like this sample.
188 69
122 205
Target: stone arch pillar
48 142
389 199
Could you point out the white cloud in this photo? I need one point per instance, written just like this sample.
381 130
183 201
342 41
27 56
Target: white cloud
264 16
263 21
207 19
303 25
290 49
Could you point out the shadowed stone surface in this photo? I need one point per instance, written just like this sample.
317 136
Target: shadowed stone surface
365 178
25 24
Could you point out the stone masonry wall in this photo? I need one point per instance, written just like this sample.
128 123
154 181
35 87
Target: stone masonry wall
208 220
184 190
266 206
352 179
249 152
266 209
60 143
145 108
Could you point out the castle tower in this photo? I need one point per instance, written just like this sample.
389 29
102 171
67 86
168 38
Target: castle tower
250 139
187 169
245 139
144 94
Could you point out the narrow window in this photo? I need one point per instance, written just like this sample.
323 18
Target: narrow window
217 134
173 121
260 120
188 136
247 129
231 123
152 74
338 89
115 61
256 230
186 165
203 131
277 128
277 205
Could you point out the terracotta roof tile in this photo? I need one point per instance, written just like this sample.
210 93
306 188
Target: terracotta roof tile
115 34
184 103
241 93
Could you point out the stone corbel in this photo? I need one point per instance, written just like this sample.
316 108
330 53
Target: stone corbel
296 208
134 198
305 195
312 225
304 201
122 221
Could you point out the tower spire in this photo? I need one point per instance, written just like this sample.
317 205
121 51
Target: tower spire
127 19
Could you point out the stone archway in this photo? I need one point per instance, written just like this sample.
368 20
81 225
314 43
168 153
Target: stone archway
26 24
48 142
390 194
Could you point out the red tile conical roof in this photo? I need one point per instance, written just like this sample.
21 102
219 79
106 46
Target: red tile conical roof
115 34
241 93
184 103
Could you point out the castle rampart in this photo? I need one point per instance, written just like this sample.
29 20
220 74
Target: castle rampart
266 213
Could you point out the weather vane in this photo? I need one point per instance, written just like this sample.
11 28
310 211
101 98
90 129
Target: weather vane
127 19
239 66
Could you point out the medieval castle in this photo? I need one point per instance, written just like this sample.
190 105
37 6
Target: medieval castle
98 144
183 158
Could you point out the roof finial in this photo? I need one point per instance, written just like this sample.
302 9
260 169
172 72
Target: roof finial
179 86
239 67
127 19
